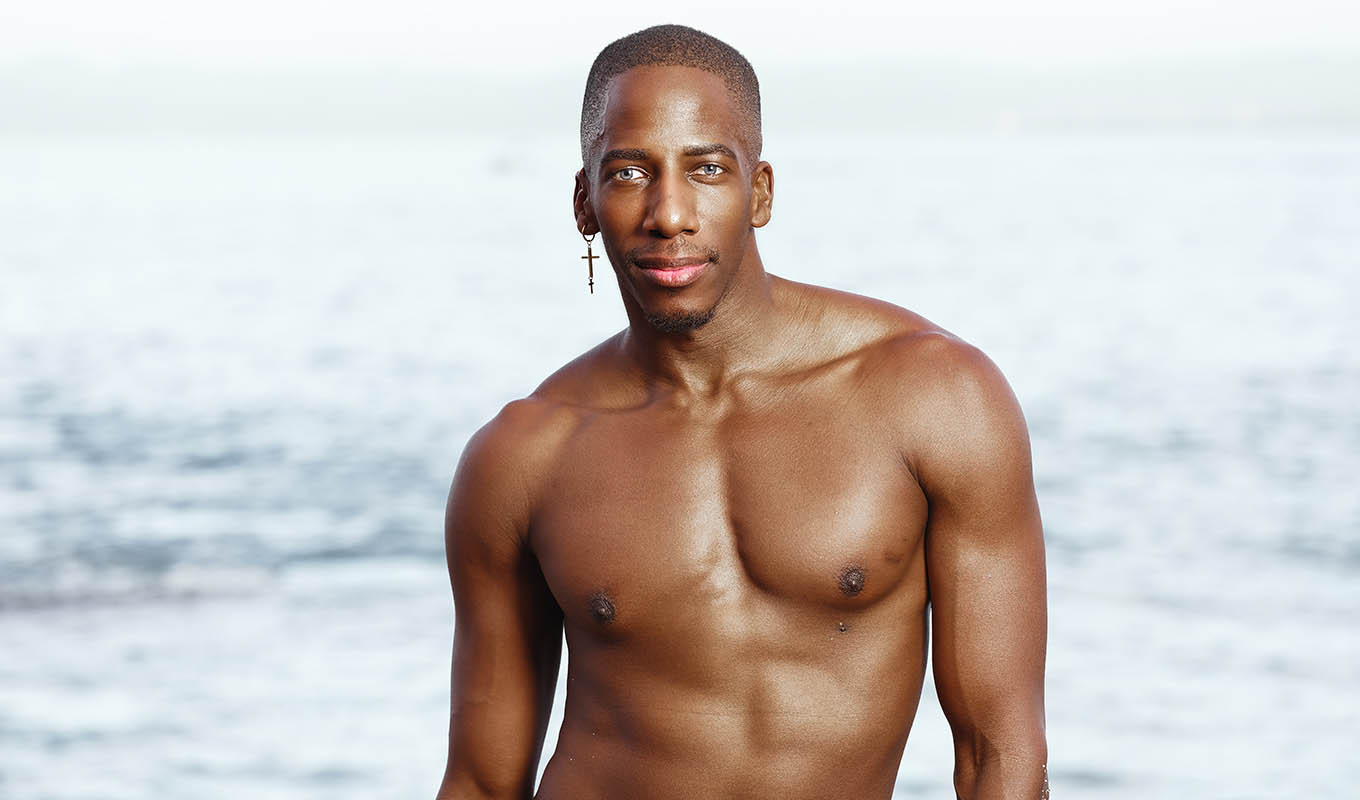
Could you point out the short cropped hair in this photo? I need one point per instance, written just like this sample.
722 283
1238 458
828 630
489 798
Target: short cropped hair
672 45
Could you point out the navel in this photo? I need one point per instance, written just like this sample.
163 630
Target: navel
601 608
852 581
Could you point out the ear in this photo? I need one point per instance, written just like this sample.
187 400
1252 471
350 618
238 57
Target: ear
762 194
580 201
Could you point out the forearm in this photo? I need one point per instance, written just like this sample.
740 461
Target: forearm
490 759
1015 773
461 785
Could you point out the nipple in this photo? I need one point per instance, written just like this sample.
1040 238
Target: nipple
601 608
852 581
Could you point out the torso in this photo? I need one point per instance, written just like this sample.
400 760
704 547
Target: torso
742 582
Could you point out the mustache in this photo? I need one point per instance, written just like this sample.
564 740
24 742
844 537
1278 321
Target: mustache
677 254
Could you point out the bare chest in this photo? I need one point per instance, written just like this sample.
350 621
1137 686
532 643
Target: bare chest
651 517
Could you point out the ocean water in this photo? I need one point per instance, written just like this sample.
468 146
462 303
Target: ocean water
236 374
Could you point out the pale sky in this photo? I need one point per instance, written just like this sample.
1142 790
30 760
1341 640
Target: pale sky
538 34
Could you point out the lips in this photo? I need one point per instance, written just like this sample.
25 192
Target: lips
672 273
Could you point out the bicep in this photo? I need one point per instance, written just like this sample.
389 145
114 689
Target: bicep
989 628
985 567
507 634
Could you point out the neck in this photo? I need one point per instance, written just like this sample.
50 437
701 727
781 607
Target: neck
741 337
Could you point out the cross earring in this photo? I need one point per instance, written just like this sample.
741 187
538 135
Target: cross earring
590 262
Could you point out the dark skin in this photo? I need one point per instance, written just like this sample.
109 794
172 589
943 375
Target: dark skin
750 530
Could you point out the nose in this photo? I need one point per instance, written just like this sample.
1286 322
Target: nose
671 207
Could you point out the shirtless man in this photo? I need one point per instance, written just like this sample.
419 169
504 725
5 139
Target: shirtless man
750 510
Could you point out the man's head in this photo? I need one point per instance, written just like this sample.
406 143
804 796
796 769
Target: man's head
674 46
672 177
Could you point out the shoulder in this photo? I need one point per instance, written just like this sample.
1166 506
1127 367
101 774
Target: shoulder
520 435
947 402
848 323
502 469
510 458
963 432
895 348
939 371
527 431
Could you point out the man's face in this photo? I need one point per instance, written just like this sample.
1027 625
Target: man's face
673 192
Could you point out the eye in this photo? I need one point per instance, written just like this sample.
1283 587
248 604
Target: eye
629 174
710 170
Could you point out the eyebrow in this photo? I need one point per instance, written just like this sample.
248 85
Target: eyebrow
627 154
635 154
710 150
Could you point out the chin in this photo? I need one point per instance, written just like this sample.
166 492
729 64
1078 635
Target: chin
679 321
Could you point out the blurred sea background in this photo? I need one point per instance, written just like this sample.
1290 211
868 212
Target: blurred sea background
250 314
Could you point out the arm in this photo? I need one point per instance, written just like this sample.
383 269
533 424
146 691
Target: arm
507 627
985 567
